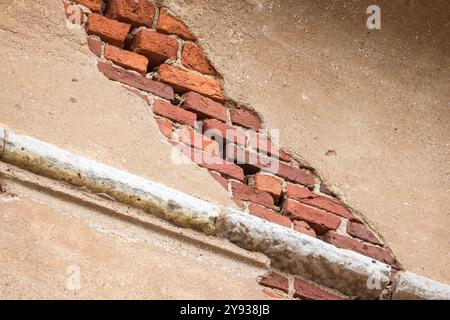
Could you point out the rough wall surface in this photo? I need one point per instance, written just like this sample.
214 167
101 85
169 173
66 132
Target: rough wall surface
53 248
186 95
220 98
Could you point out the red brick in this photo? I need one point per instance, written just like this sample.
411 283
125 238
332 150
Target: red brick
360 231
330 205
94 5
246 119
369 250
320 221
108 30
165 126
269 184
247 193
189 136
315 200
194 57
269 215
262 143
183 81
303 227
284 156
255 160
168 110
218 128
272 295
136 92
296 175
218 177
307 291
155 46
270 165
169 25
126 59
135 12
298 192
137 81
275 281
95 45
204 107
208 161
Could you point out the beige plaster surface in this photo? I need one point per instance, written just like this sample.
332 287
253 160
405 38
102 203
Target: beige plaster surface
62 248
379 99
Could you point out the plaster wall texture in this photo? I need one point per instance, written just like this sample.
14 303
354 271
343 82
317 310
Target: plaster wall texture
378 99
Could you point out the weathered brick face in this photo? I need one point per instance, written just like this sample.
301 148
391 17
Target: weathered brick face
94 5
126 59
155 46
194 57
134 12
165 67
183 81
110 31
170 25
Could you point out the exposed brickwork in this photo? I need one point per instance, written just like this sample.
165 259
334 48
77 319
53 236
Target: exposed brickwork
246 119
165 127
166 109
108 30
137 81
137 93
94 5
321 221
262 177
208 161
218 128
304 195
303 227
275 281
194 57
372 251
183 81
223 181
269 184
170 25
255 160
126 59
307 291
95 45
244 192
188 136
294 174
204 107
272 295
269 215
360 231
155 46
135 12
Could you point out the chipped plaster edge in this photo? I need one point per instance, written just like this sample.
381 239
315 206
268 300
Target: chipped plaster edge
346 271
410 286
